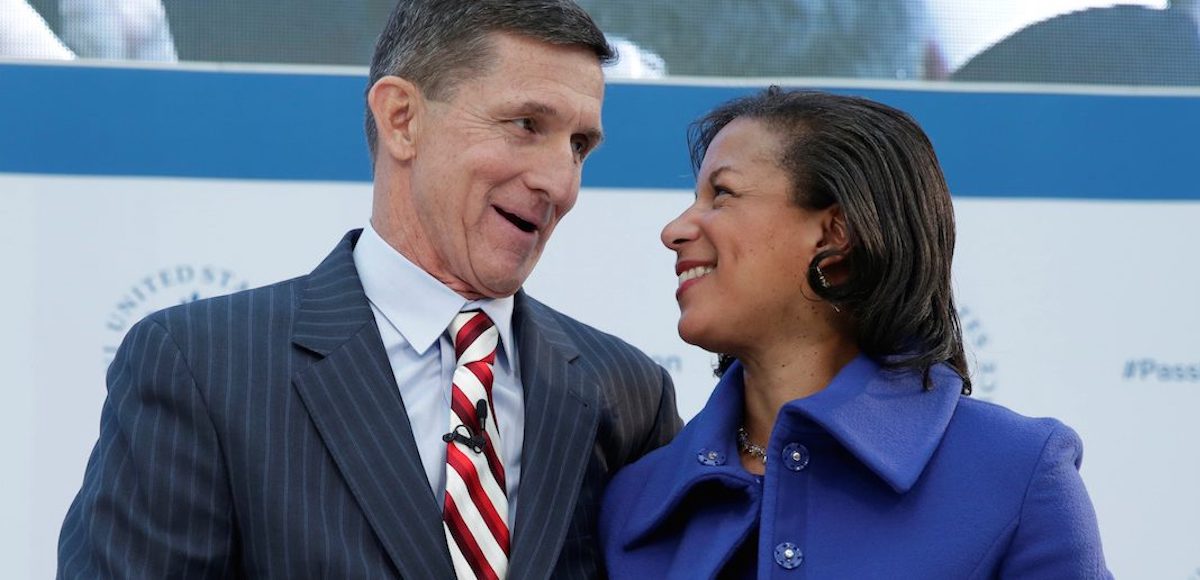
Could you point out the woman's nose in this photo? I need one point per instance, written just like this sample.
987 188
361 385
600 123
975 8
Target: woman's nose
680 230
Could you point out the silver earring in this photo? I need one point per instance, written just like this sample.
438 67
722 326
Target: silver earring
821 278
825 285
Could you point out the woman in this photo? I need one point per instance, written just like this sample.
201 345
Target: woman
839 442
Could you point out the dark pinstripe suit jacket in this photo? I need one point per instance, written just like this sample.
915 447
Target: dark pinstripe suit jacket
262 435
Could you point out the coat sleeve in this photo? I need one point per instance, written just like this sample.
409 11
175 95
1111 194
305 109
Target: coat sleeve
1057 536
155 497
667 422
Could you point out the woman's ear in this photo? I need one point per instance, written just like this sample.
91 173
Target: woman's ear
835 235
396 104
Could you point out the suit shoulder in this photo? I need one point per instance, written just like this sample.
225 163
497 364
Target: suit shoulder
592 339
261 305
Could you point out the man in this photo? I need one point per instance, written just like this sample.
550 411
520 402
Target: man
331 426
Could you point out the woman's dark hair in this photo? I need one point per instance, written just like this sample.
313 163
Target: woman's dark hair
878 165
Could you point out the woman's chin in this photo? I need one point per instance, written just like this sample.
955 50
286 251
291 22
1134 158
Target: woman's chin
688 332
699 335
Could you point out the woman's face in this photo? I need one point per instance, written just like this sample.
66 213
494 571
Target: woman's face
743 248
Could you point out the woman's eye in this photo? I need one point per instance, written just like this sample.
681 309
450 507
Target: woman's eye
721 197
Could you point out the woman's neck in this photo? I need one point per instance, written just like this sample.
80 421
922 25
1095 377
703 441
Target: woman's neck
786 372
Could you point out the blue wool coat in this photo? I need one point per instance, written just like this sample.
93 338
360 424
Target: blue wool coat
873 477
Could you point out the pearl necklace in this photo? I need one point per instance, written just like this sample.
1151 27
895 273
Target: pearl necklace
749 448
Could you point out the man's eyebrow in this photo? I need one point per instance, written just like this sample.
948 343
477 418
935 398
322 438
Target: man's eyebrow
536 108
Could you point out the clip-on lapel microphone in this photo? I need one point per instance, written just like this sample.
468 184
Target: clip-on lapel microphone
471 439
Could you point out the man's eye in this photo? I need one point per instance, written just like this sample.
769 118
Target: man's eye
525 123
580 145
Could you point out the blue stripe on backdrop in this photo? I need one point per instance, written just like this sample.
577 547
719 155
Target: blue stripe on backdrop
119 121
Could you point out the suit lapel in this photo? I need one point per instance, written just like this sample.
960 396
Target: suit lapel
561 415
353 400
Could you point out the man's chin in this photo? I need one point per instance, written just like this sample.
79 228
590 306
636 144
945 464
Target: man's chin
501 286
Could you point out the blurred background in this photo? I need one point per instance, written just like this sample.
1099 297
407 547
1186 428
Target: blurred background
154 152
1045 41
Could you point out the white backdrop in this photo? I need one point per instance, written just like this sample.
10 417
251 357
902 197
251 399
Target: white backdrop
1065 305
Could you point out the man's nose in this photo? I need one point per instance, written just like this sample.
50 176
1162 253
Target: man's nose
556 171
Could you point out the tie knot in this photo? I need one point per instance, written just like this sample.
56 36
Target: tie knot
474 336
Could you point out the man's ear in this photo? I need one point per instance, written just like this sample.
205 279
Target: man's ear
396 105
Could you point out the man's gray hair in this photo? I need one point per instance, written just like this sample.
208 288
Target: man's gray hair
435 44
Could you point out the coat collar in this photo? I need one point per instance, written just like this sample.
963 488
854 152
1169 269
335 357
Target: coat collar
350 393
333 306
562 411
884 418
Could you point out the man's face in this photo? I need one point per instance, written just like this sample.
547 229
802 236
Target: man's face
498 164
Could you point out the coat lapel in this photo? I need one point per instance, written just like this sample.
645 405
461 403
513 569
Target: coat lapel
352 397
561 415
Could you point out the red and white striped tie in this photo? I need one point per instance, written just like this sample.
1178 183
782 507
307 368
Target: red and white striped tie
475 514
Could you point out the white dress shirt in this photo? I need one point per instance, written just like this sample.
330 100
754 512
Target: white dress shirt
413 311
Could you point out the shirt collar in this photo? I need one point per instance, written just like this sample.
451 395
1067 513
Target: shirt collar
885 418
417 304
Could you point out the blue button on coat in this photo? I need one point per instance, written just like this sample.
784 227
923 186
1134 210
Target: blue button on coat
900 482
